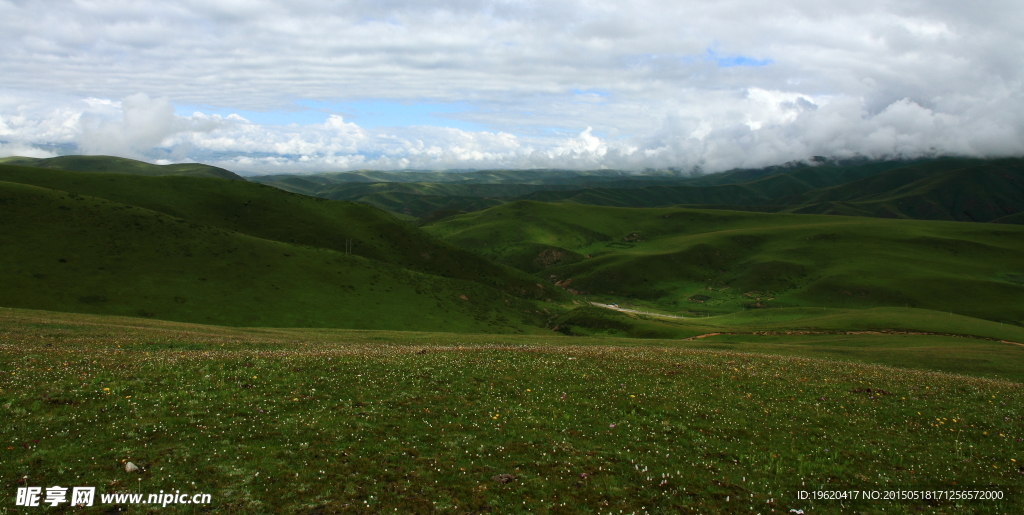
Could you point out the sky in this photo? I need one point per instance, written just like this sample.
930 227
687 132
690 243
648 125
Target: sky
264 86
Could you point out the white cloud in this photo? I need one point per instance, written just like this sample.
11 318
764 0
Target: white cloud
17 149
144 123
652 83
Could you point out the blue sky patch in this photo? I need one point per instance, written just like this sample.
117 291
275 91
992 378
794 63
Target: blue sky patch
390 113
728 62
734 60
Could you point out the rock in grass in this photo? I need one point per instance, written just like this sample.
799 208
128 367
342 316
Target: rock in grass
131 467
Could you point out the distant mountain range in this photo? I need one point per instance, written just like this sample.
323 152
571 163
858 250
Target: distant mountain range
960 189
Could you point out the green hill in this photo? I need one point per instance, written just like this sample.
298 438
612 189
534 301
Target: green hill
110 164
735 188
942 189
514 177
70 252
272 214
419 199
716 261
238 253
967 190
819 174
670 258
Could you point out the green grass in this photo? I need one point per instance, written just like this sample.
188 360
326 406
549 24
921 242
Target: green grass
330 421
713 261
890 336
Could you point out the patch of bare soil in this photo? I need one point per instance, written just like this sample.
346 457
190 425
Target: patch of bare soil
549 257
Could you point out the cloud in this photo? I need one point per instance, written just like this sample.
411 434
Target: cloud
144 123
138 124
17 149
654 83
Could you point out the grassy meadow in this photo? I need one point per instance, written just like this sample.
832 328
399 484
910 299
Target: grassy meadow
340 421
289 354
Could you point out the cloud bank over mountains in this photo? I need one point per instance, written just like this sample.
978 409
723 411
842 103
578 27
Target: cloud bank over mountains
268 86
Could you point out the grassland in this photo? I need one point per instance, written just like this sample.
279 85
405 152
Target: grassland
904 337
67 251
271 214
716 262
331 421
461 368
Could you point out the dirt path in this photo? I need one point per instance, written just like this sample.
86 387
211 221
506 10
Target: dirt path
624 310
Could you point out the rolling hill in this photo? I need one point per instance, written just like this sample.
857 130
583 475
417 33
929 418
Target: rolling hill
295 341
120 165
971 190
411 193
237 253
958 189
954 189
511 251
717 261
272 214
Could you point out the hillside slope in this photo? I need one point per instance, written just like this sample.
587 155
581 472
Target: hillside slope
272 214
967 190
70 252
419 199
961 189
120 165
971 190
716 261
